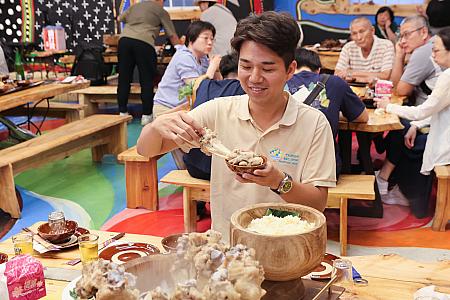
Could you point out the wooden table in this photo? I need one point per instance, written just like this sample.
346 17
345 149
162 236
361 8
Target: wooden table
390 276
37 93
329 59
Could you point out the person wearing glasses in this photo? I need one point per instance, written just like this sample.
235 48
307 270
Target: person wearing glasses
404 148
189 62
436 106
366 57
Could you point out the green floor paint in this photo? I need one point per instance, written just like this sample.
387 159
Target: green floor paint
89 188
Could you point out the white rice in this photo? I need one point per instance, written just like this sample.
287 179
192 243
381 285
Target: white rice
271 225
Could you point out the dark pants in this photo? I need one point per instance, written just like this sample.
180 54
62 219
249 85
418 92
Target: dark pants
131 53
415 186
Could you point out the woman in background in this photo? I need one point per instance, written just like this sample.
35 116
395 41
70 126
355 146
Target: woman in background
385 27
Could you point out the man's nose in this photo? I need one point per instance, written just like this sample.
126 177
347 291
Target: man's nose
255 75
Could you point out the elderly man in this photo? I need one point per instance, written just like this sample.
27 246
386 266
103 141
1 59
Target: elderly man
223 20
296 138
366 57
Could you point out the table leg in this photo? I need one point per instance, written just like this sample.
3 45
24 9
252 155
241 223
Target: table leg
345 147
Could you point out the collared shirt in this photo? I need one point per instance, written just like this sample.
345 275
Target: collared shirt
144 20
183 65
381 57
300 144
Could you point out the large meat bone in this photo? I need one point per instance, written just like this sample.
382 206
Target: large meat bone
210 144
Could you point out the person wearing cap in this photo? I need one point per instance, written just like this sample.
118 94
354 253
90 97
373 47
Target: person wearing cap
224 22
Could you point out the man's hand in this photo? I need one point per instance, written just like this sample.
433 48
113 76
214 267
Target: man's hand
410 137
178 127
340 73
270 176
214 63
400 51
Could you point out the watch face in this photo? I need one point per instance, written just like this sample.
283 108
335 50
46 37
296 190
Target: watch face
287 186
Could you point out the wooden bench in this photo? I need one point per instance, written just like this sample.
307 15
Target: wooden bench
141 179
359 187
94 95
442 213
105 134
68 111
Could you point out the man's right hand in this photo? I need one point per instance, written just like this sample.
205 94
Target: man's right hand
178 127
399 50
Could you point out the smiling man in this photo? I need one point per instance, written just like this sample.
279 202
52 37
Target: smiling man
366 57
296 138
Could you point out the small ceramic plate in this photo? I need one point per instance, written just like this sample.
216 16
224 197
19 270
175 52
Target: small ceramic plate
73 239
323 271
121 253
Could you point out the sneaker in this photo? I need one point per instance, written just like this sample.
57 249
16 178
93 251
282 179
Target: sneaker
395 197
382 184
146 119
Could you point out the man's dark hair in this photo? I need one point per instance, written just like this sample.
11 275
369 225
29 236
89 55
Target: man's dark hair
277 31
444 34
384 9
196 28
307 58
228 64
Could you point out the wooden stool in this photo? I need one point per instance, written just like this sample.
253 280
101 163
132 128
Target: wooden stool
442 213
141 177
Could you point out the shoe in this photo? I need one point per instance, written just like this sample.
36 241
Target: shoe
382 184
395 197
146 119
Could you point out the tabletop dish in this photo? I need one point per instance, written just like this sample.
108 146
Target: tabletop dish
246 169
170 242
3 257
60 236
123 252
284 257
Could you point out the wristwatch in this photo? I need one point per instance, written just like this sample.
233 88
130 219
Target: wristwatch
285 185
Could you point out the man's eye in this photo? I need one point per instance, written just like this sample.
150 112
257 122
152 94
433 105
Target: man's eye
268 70
245 67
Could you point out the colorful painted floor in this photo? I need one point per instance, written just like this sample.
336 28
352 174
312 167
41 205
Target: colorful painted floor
94 195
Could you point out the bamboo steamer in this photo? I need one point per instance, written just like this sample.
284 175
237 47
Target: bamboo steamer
286 257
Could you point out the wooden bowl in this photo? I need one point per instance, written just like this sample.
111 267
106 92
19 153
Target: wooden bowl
246 169
170 242
44 232
285 257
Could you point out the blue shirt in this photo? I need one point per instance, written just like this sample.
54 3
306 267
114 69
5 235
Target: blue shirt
198 163
336 96
183 65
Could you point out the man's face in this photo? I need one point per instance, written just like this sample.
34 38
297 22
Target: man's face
362 34
412 36
204 5
262 72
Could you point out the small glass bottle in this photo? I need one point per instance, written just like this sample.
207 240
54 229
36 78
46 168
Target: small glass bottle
57 222
18 67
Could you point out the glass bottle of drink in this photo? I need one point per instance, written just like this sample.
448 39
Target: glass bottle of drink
18 67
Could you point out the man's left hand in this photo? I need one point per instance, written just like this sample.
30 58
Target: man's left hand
270 176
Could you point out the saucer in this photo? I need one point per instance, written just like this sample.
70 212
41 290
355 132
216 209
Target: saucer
121 253
323 271
73 241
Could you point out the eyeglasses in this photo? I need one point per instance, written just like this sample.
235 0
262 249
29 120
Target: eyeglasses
406 35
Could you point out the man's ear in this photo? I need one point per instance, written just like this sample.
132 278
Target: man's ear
291 69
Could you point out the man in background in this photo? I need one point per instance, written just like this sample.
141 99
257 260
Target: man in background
224 22
336 97
366 57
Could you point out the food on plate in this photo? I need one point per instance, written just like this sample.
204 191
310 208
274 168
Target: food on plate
219 272
280 223
106 280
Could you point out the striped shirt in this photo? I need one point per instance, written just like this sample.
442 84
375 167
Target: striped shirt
381 57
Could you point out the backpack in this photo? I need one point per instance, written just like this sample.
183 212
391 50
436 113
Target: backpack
89 63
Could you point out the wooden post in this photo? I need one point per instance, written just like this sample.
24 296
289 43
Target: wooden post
8 199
